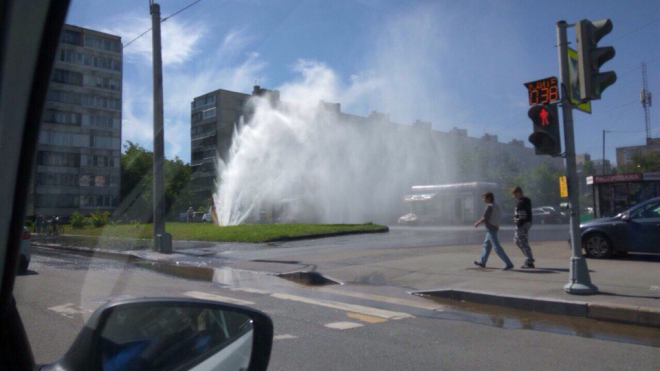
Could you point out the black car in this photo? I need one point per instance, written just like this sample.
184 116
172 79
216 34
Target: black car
634 230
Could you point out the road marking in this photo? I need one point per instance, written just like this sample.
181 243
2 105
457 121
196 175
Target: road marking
70 309
343 325
284 337
346 307
213 297
251 291
386 299
365 318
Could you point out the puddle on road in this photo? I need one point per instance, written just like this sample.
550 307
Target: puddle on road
515 319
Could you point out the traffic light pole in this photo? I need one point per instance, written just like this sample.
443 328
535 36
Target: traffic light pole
580 280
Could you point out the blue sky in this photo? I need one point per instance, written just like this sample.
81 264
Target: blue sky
454 63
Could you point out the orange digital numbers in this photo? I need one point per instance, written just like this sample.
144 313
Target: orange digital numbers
543 91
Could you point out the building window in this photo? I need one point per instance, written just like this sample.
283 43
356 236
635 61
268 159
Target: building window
61 96
71 37
98 201
61 117
99 121
50 179
99 43
102 82
207 114
97 141
203 101
83 59
67 77
46 158
63 139
56 201
101 102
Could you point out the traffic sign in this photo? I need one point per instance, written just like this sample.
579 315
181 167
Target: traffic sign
542 91
563 187
574 86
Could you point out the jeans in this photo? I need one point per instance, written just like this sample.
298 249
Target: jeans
490 242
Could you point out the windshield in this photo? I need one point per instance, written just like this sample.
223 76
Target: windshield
381 177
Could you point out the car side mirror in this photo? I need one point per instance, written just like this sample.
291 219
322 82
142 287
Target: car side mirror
173 334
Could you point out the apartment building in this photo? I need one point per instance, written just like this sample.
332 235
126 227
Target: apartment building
77 162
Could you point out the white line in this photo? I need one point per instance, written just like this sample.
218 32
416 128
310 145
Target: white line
343 325
251 291
284 337
347 307
69 309
386 299
213 297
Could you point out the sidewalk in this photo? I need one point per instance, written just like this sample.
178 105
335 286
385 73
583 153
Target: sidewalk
628 286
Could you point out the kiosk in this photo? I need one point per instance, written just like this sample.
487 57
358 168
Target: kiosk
617 192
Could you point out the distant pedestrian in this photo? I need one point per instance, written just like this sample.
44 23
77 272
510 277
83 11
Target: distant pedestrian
189 215
38 224
523 220
492 220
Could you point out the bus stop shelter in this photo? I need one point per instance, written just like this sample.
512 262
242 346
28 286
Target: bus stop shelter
615 193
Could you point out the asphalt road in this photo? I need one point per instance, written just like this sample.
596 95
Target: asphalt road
61 290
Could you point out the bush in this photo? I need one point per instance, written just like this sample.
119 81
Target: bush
99 219
29 223
78 220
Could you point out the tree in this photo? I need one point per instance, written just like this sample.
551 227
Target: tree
136 183
541 184
642 162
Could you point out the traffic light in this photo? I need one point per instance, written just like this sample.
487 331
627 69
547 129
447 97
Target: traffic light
545 138
591 57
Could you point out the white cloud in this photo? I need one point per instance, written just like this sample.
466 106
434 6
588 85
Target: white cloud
179 39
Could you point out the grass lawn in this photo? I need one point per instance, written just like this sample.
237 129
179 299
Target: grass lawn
211 232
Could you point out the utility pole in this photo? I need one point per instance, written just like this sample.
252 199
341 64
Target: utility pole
645 98
580 280
162 240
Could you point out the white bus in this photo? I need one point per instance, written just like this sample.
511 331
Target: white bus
447 204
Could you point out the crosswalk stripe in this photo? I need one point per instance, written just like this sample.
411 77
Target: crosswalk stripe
213 297
343 325
284 337
69 309
346 307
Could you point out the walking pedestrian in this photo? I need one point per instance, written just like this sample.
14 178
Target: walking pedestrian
523 220
492 220
189 215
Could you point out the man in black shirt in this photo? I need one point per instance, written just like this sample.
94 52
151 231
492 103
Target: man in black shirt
523 220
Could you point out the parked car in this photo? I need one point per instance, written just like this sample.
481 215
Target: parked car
25 254
181 217
540 215
562 216
198 216
634 230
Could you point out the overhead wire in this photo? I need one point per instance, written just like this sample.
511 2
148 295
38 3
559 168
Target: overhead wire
163 20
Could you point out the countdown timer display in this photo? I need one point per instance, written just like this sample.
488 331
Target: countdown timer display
543 91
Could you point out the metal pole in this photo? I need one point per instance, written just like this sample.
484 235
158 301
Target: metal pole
580 281
159 144
604 151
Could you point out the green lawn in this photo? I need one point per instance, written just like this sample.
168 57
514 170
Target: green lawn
211 232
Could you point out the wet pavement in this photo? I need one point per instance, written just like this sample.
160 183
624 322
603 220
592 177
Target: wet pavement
311 284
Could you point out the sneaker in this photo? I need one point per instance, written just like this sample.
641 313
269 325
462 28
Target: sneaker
528 266
508 267
479 264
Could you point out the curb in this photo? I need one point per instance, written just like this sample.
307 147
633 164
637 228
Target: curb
326 235
112 254
621 313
